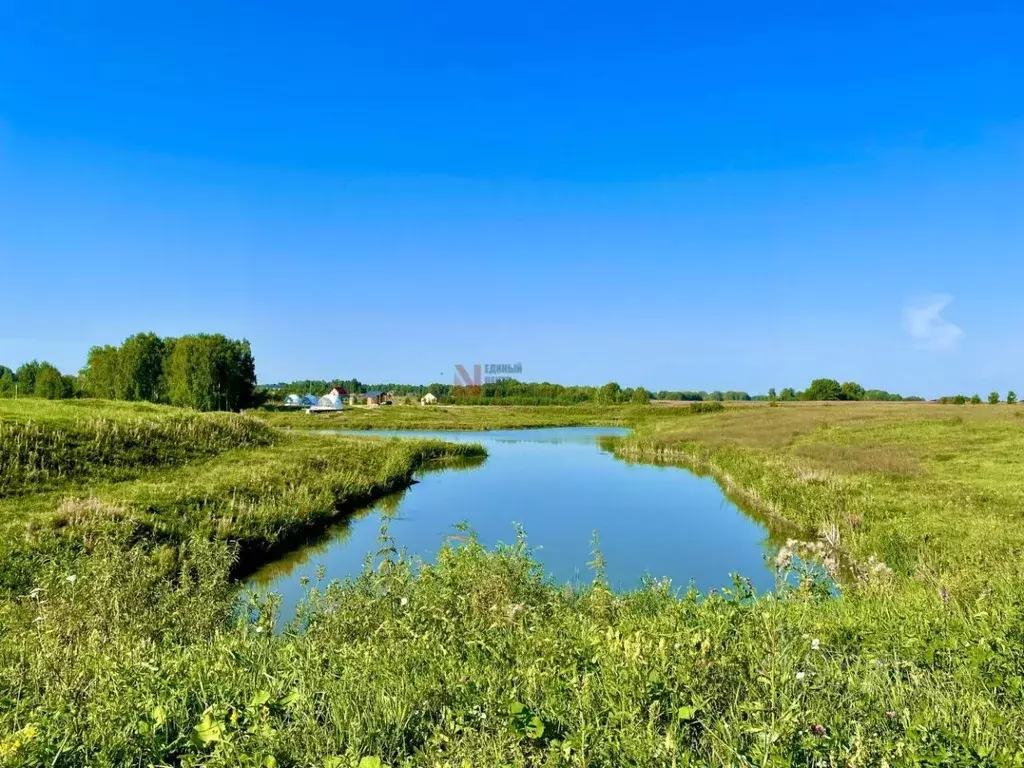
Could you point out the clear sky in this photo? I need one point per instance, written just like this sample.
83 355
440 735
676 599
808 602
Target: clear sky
680 195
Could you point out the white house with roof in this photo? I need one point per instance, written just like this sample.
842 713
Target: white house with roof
294 401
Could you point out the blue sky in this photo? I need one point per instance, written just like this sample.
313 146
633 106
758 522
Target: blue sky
731 196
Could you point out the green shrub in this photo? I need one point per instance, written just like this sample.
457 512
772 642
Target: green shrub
705 406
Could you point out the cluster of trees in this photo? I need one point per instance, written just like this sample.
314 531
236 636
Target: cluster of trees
208 372
993 399
830 389
513 392
277 392
37 379
694 396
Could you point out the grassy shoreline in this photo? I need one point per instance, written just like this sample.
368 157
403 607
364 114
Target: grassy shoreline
118 657
169 476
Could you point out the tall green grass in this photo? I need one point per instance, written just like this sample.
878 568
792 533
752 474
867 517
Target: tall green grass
258 499
478 660
43 445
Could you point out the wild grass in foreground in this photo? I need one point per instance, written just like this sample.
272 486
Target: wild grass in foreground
479 661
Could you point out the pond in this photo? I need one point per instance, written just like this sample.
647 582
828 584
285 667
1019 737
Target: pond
560 485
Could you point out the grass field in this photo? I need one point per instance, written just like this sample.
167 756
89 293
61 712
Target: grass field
470 417
130 650
927 489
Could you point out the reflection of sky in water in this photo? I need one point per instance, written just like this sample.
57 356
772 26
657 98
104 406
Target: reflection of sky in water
560 486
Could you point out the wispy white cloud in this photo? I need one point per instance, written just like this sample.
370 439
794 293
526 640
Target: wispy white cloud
923 320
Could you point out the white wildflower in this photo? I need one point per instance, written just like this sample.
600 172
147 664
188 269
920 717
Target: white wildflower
801 675
815 644
258 630
72 578
405 601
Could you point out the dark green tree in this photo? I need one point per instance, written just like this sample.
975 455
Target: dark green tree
851 390
100 375
1011 397
49 383
993 398
976 399
824 389
6 382
609 393
210 373
641 396
25 377
139 367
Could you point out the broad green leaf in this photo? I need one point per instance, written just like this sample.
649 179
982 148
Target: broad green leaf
208 731
535 728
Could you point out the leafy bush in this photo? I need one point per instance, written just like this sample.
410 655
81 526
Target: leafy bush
705 406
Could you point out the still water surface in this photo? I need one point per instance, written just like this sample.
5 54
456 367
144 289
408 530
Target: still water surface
560 486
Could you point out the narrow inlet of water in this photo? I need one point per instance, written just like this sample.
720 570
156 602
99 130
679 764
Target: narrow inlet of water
560 486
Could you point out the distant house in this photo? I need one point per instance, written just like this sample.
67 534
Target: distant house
294 401
428 399
374 398
339 391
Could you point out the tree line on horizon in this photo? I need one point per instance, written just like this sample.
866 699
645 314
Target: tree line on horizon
514 392
503 392
211 372
975 399
831 389
37 379
207 372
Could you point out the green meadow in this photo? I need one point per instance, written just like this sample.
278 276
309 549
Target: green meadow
122 641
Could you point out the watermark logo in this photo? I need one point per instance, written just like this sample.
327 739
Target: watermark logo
468 383
463 379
